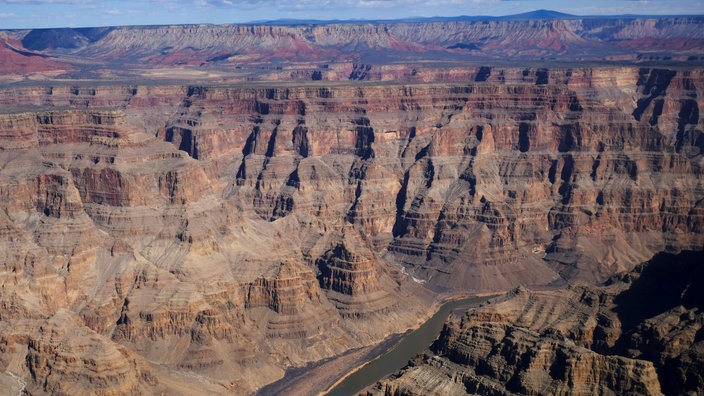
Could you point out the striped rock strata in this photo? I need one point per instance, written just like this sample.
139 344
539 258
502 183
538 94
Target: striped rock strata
226 233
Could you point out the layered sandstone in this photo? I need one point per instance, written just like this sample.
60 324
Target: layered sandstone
136 248
226 232
385 51
639 334
593 38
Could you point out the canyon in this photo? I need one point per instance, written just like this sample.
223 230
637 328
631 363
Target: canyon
173 225
640 333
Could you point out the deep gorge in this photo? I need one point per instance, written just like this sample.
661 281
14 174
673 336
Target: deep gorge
228 230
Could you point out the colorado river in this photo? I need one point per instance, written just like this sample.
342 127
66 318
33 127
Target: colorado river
398 356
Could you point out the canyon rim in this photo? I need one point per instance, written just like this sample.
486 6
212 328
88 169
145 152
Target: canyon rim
195 209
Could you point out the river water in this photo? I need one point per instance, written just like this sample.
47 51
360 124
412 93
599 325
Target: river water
398 356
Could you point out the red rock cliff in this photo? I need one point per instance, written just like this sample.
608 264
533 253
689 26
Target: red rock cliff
214 230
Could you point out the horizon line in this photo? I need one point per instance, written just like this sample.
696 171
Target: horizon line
528 15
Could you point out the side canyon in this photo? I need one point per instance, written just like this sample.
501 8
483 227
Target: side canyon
202 239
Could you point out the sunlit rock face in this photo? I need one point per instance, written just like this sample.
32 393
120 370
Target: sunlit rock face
228 232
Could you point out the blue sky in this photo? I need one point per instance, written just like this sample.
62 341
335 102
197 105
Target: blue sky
78 13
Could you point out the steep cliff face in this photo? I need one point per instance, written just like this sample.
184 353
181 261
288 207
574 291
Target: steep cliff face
593 38
342 51
229 232
116 237
640 334
531 173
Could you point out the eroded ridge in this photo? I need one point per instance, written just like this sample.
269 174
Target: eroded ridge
228 232
638 334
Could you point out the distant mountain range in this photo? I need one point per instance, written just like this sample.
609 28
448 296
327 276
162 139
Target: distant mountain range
314 46
544 15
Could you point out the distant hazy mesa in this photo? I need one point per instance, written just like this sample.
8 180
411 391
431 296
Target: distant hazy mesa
412 50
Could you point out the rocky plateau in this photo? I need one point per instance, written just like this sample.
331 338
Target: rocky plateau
202 235
416 50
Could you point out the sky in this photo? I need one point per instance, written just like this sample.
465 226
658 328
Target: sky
21 14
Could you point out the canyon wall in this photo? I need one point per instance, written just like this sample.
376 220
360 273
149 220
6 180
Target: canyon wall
639 334
606 38
417 51
223 233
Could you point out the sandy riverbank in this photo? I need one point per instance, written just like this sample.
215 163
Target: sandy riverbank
323 376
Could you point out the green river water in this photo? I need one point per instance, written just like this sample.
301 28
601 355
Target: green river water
398 356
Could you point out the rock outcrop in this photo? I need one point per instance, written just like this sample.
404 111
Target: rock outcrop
639 334
223 233
19 61
140 249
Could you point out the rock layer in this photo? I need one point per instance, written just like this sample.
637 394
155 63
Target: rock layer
639 334
228 232
348 51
